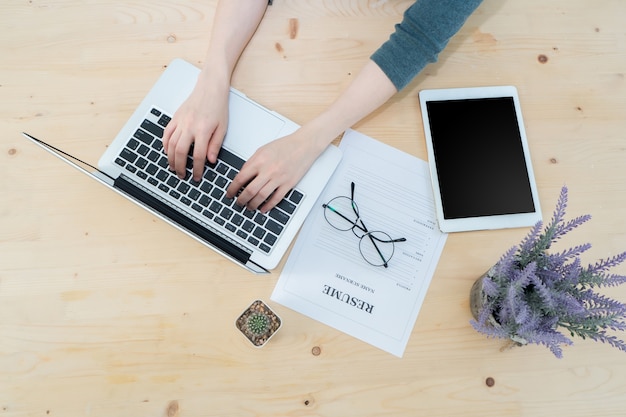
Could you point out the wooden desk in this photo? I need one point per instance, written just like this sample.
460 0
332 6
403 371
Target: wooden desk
107 311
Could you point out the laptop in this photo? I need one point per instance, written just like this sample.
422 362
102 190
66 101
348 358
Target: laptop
135 166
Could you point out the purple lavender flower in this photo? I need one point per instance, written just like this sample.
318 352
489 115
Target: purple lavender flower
531 296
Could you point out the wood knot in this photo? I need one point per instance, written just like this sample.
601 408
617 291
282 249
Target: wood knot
12 151
172 409
316 350
294 25
490 382
542 59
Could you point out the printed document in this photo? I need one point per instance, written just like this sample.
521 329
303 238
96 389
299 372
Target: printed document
326 276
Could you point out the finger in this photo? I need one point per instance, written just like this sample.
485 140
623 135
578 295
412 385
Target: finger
199 159
167 134
170 151
261 196
181 151
274 199
242 180
215 144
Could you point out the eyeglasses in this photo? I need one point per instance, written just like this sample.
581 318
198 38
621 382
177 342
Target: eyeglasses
376 247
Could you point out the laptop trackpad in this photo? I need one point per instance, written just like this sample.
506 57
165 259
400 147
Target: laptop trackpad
250 126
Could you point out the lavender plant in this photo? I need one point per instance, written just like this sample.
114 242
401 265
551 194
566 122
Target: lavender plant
530 295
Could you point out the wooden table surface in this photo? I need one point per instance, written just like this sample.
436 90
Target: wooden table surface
107 311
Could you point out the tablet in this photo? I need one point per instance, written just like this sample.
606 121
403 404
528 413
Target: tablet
479 160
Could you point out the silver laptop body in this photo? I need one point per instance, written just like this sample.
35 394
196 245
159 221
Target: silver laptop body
134 165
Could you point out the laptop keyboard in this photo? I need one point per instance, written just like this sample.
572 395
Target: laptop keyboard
143 157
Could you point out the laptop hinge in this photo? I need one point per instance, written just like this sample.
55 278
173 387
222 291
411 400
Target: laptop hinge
182 220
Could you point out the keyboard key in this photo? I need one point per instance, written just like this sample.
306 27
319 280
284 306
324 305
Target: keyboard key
154 156
222 168
162 175
210 175
295 196
286 206
194 194
226 213
183 187
163 162
258 232
215 207
172 181
128 155
238 208
143 150
164 120
237 220
248 226
206 187
231 159
152 128
260 219
141 163
221 182
217 193
205 200
279 216
274 227
152 169
144 136
133 144
270 239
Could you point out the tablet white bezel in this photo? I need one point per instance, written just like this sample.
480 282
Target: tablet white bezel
483 222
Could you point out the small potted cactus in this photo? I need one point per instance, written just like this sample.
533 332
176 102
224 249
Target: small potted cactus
258 323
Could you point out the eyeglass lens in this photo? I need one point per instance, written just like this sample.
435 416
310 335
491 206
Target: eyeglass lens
341 213
376 247
377 254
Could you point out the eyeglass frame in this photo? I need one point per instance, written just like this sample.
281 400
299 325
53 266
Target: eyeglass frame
362 227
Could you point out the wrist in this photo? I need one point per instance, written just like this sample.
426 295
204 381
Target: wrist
318 134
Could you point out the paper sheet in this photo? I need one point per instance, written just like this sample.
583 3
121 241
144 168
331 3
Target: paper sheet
326 277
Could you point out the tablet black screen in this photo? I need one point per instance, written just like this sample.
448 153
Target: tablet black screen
479 157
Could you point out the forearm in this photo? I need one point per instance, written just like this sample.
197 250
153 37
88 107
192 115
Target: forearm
234 24
369 90
425 30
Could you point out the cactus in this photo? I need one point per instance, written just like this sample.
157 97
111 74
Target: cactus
258 323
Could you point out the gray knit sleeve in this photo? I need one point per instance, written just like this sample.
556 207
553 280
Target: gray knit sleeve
425 30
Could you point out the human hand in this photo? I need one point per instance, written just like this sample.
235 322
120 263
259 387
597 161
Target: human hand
273 170
202 121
